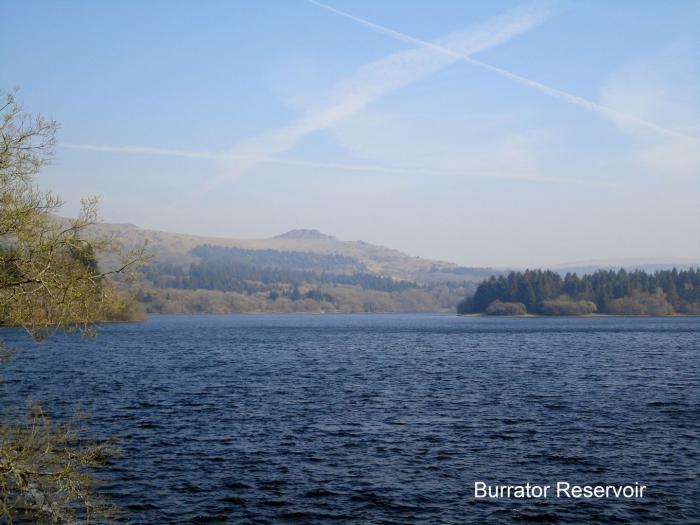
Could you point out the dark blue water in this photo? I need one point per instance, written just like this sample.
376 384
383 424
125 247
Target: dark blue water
381 418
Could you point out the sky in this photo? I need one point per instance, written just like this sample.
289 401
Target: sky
482 133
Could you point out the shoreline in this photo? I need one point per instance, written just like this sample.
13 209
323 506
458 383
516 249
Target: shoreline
444 313
583 315
441 313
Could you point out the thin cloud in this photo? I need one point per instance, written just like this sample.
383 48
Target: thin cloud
353 94
662 85
145 150
563 95
379 78
367 168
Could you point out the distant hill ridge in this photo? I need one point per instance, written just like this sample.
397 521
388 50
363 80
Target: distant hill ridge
177 249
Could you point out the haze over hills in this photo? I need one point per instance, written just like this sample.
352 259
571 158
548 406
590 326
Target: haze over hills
176 248
647 265
302 270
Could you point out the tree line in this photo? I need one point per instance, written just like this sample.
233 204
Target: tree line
232 275
225 280
268 258
621 292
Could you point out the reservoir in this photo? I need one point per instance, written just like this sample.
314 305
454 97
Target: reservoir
380 418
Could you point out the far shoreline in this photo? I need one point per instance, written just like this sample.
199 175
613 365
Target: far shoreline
442 313
583 315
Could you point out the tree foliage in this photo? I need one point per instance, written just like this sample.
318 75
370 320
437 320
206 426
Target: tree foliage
500 308
252 271
235 280
49 276
606 291
266 258
49 279
45 471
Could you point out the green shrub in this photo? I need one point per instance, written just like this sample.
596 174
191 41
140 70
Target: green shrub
501 308
641 304
564 305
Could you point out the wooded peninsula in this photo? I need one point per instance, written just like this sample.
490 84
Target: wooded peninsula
544 292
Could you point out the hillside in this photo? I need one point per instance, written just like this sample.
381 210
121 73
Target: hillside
175 248
297 271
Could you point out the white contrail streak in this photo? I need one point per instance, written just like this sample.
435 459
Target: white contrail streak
354 93
144 150
558 93
369 168
380 78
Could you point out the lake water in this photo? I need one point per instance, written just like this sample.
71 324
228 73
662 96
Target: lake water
381 418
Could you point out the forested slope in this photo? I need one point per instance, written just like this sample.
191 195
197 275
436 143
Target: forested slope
622 292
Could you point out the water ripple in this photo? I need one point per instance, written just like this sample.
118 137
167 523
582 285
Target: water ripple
380 419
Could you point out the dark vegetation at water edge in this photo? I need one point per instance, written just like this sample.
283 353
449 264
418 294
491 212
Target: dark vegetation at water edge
543 292
50 280
237 280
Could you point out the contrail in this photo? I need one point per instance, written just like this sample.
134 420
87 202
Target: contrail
368 168
379 78
558 93
144 150
354 93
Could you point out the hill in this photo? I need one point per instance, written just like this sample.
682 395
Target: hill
297 271
176 248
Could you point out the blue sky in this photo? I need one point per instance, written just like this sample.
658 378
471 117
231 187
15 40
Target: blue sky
486 133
